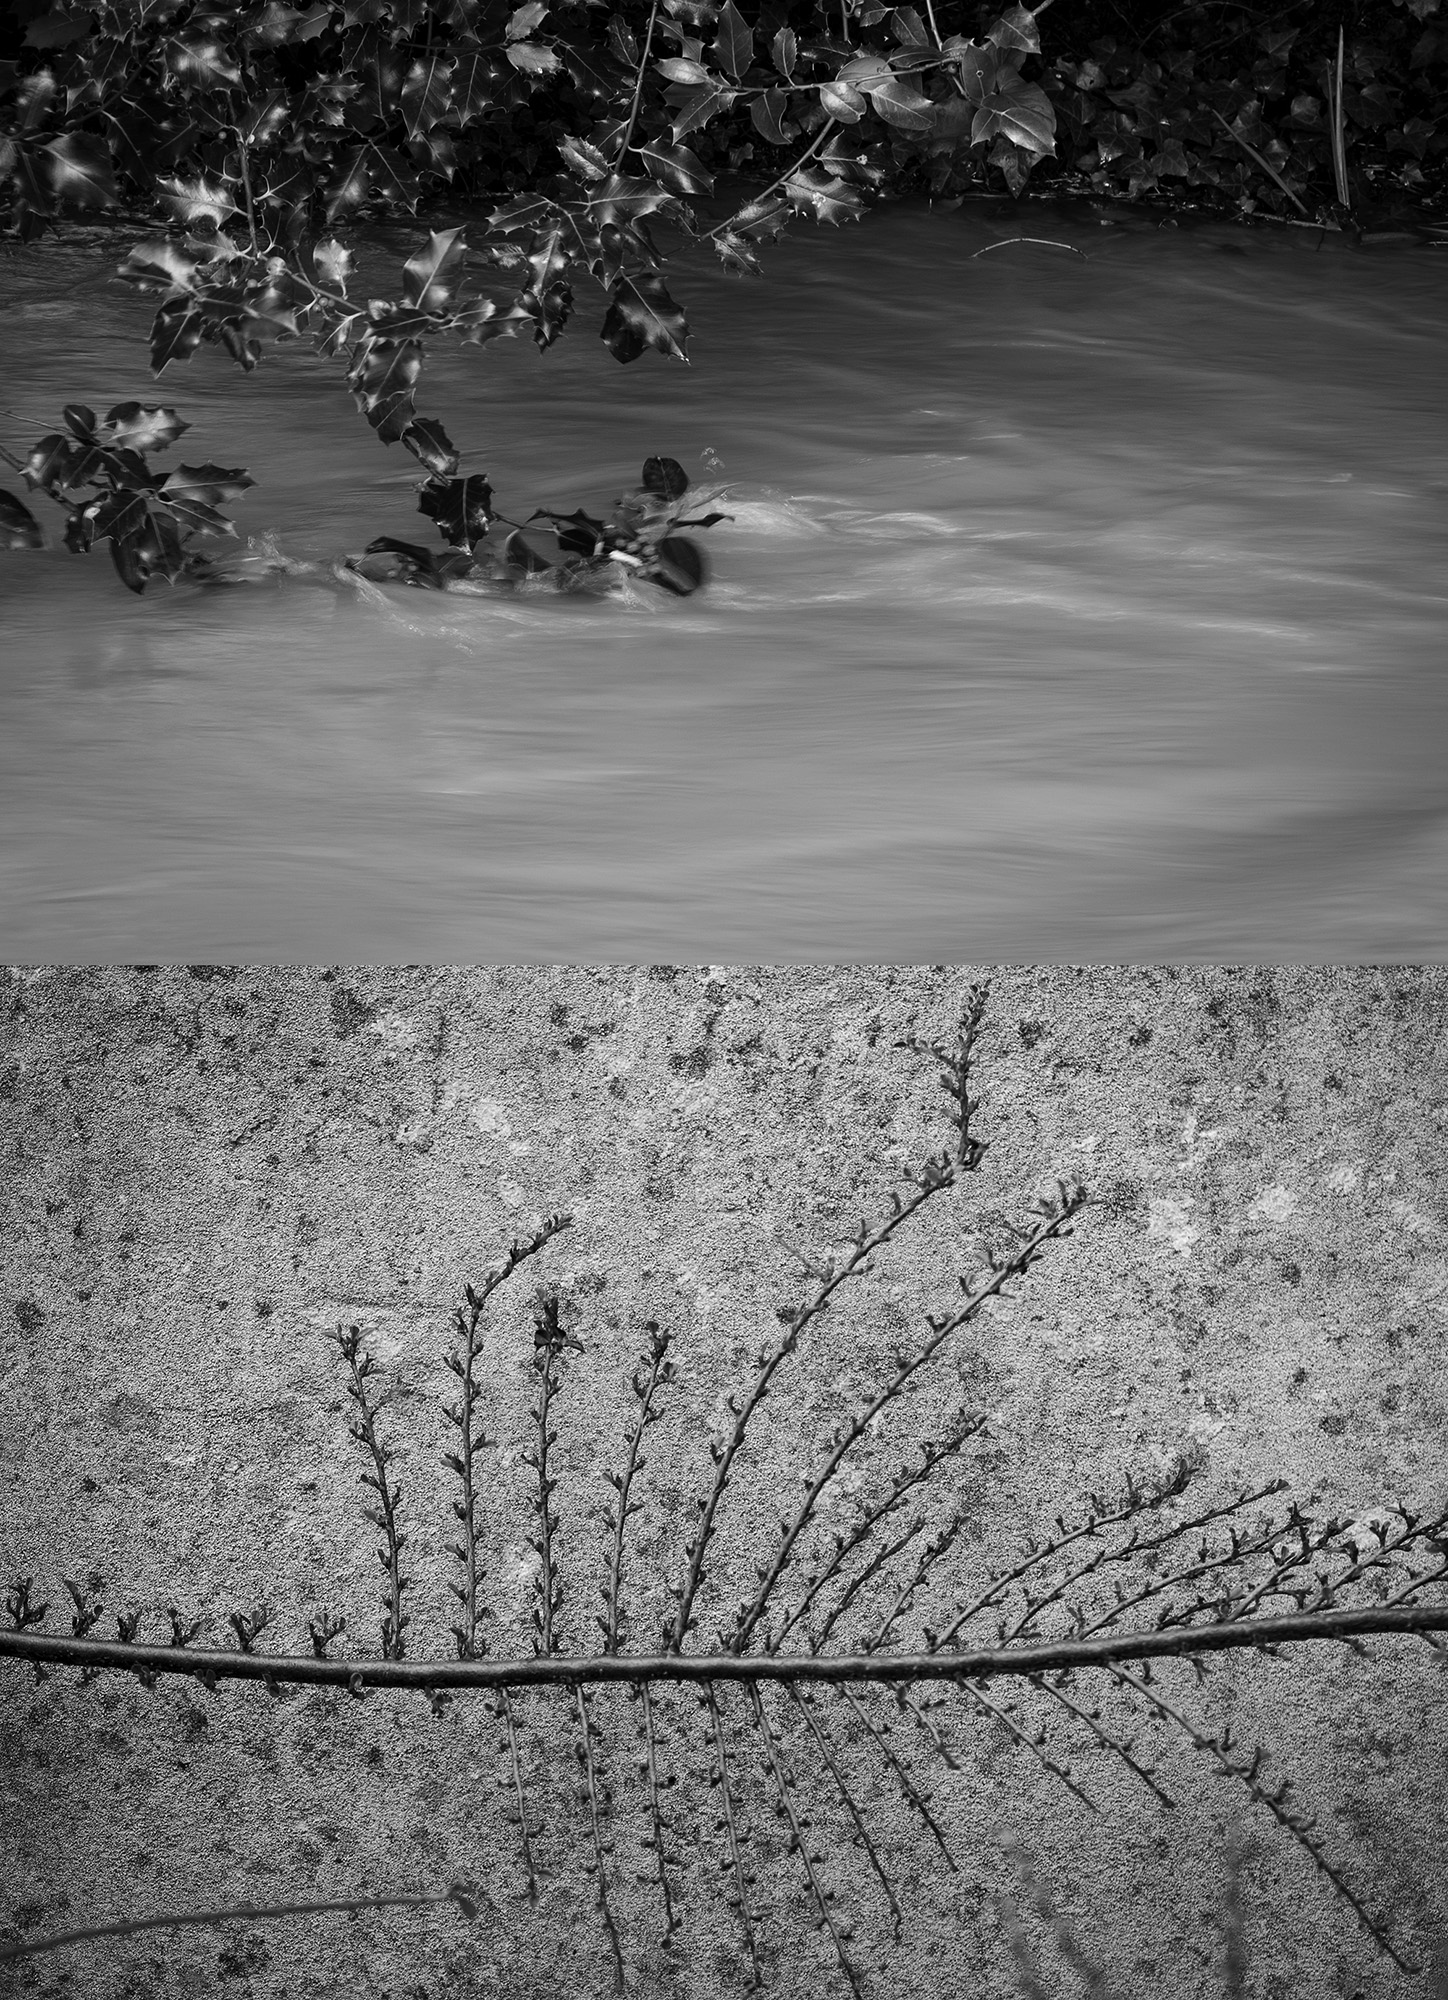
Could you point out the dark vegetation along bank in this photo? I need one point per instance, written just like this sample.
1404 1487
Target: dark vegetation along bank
578 141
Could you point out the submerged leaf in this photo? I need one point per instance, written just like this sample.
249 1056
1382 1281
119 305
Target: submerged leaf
19 528
666 477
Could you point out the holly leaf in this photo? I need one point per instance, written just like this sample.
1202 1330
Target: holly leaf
332 262
428 442
201 62
143 427
678 69
813 190
175 333
699 107
643 315
261 121
159 258
532 57
736 254
211 483
734 42
785 50
123 513
80 170
843 101
579 534
900 105
198 200
126 555
586 160
766 112
462 508
56 464
382 379
426 94
523 20
427 276
197 517
58 31
19 528
677 167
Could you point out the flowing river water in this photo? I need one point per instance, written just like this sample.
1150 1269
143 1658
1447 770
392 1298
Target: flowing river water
1074 606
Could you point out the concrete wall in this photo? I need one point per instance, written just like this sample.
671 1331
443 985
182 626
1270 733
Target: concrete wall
206 1171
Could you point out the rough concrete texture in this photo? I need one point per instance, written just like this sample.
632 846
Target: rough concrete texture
206 1171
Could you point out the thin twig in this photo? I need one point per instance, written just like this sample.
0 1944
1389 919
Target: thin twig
246 1913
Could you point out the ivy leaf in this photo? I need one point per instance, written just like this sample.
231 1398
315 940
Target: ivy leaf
677 168
1016 29
533 58
1021 112
19 528
734 42
143 427
427 276
429 443
80 170
643 315
80 421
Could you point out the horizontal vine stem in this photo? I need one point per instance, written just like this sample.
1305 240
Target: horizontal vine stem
558 1670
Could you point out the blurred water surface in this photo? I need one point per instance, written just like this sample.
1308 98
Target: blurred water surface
1073 607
